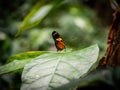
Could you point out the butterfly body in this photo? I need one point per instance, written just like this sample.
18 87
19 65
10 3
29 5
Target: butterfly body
59 42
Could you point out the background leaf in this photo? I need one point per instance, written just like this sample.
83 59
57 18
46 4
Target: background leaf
100 79
50 71
25 55
13 66
37 14
104 78
18 61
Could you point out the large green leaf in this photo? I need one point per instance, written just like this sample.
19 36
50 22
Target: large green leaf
18 61
37 14
50 71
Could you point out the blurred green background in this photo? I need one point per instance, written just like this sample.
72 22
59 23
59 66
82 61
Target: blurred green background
81 23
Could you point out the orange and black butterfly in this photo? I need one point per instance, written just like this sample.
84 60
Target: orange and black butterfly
59 42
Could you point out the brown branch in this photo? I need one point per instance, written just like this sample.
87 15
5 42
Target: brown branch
112 56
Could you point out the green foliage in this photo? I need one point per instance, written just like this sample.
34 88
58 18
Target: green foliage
25 55
58 68
13 66
37 14
5 44
19 61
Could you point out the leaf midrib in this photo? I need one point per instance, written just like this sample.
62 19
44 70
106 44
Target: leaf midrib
59 60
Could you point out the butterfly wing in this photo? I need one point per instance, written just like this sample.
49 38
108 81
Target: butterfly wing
60 44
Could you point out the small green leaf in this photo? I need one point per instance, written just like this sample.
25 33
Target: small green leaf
37 14
34 17
52 70
18 61
25 55
13 66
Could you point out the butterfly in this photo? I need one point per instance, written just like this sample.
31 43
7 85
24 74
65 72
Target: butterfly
59 42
